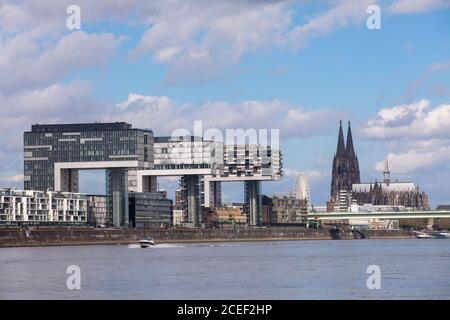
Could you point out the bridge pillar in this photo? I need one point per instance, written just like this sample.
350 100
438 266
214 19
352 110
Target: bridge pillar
253 202
193 204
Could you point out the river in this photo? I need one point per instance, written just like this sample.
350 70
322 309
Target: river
409 269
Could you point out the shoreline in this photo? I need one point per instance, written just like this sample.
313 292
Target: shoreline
51 238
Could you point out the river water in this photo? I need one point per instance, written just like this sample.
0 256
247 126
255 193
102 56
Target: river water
409 269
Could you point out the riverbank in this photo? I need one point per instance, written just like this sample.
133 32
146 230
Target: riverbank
59 236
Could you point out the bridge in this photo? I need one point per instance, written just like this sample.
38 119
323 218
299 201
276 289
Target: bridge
378 215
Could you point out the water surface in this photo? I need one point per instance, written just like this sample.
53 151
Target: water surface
410 269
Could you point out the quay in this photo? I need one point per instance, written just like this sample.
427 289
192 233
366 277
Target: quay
58 236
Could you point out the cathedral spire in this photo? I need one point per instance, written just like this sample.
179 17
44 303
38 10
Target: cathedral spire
341 144
345 170
350 149
386 172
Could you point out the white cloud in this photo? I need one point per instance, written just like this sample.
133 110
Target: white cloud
417 159
340 14
417 6
419 135
51 104
424 162
417 121
54 104
167 54
73 102
212 37
30 66
164 115
198 39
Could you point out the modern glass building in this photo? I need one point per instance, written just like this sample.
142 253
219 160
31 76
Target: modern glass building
134 158
150 210
187 152
54 153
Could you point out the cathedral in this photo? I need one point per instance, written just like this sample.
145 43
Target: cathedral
387 192
346 187
345 170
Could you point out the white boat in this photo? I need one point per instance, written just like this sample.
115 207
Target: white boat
422 235
146 242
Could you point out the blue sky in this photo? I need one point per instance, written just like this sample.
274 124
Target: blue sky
314 59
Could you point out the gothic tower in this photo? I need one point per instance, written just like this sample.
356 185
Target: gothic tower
353 164
386 172
345 171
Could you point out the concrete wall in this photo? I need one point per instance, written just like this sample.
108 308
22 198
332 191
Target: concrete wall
419 224
42 236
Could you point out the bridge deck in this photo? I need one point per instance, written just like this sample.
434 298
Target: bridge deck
379 215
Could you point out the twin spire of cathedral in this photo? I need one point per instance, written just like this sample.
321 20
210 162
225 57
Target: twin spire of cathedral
345 149
345 170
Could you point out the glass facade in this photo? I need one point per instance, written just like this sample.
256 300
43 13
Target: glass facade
74 144
150 210
252 160
54 154
187 152
45 145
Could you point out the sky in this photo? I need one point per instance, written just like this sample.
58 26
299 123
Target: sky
297 66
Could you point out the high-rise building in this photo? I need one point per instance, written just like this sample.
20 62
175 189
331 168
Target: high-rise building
54 153
50 144
133 159
345 171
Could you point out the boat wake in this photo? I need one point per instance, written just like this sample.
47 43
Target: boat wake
168 245
157 246
133 246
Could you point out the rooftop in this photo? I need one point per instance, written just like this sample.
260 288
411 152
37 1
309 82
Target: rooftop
391 186
70 127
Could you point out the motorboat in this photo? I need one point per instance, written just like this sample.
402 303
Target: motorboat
146 242
422 235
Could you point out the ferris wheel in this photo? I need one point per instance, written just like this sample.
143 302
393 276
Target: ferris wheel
301 188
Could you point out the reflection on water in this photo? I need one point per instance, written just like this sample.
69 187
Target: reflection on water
235 270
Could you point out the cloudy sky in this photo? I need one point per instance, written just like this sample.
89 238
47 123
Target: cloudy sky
298 66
